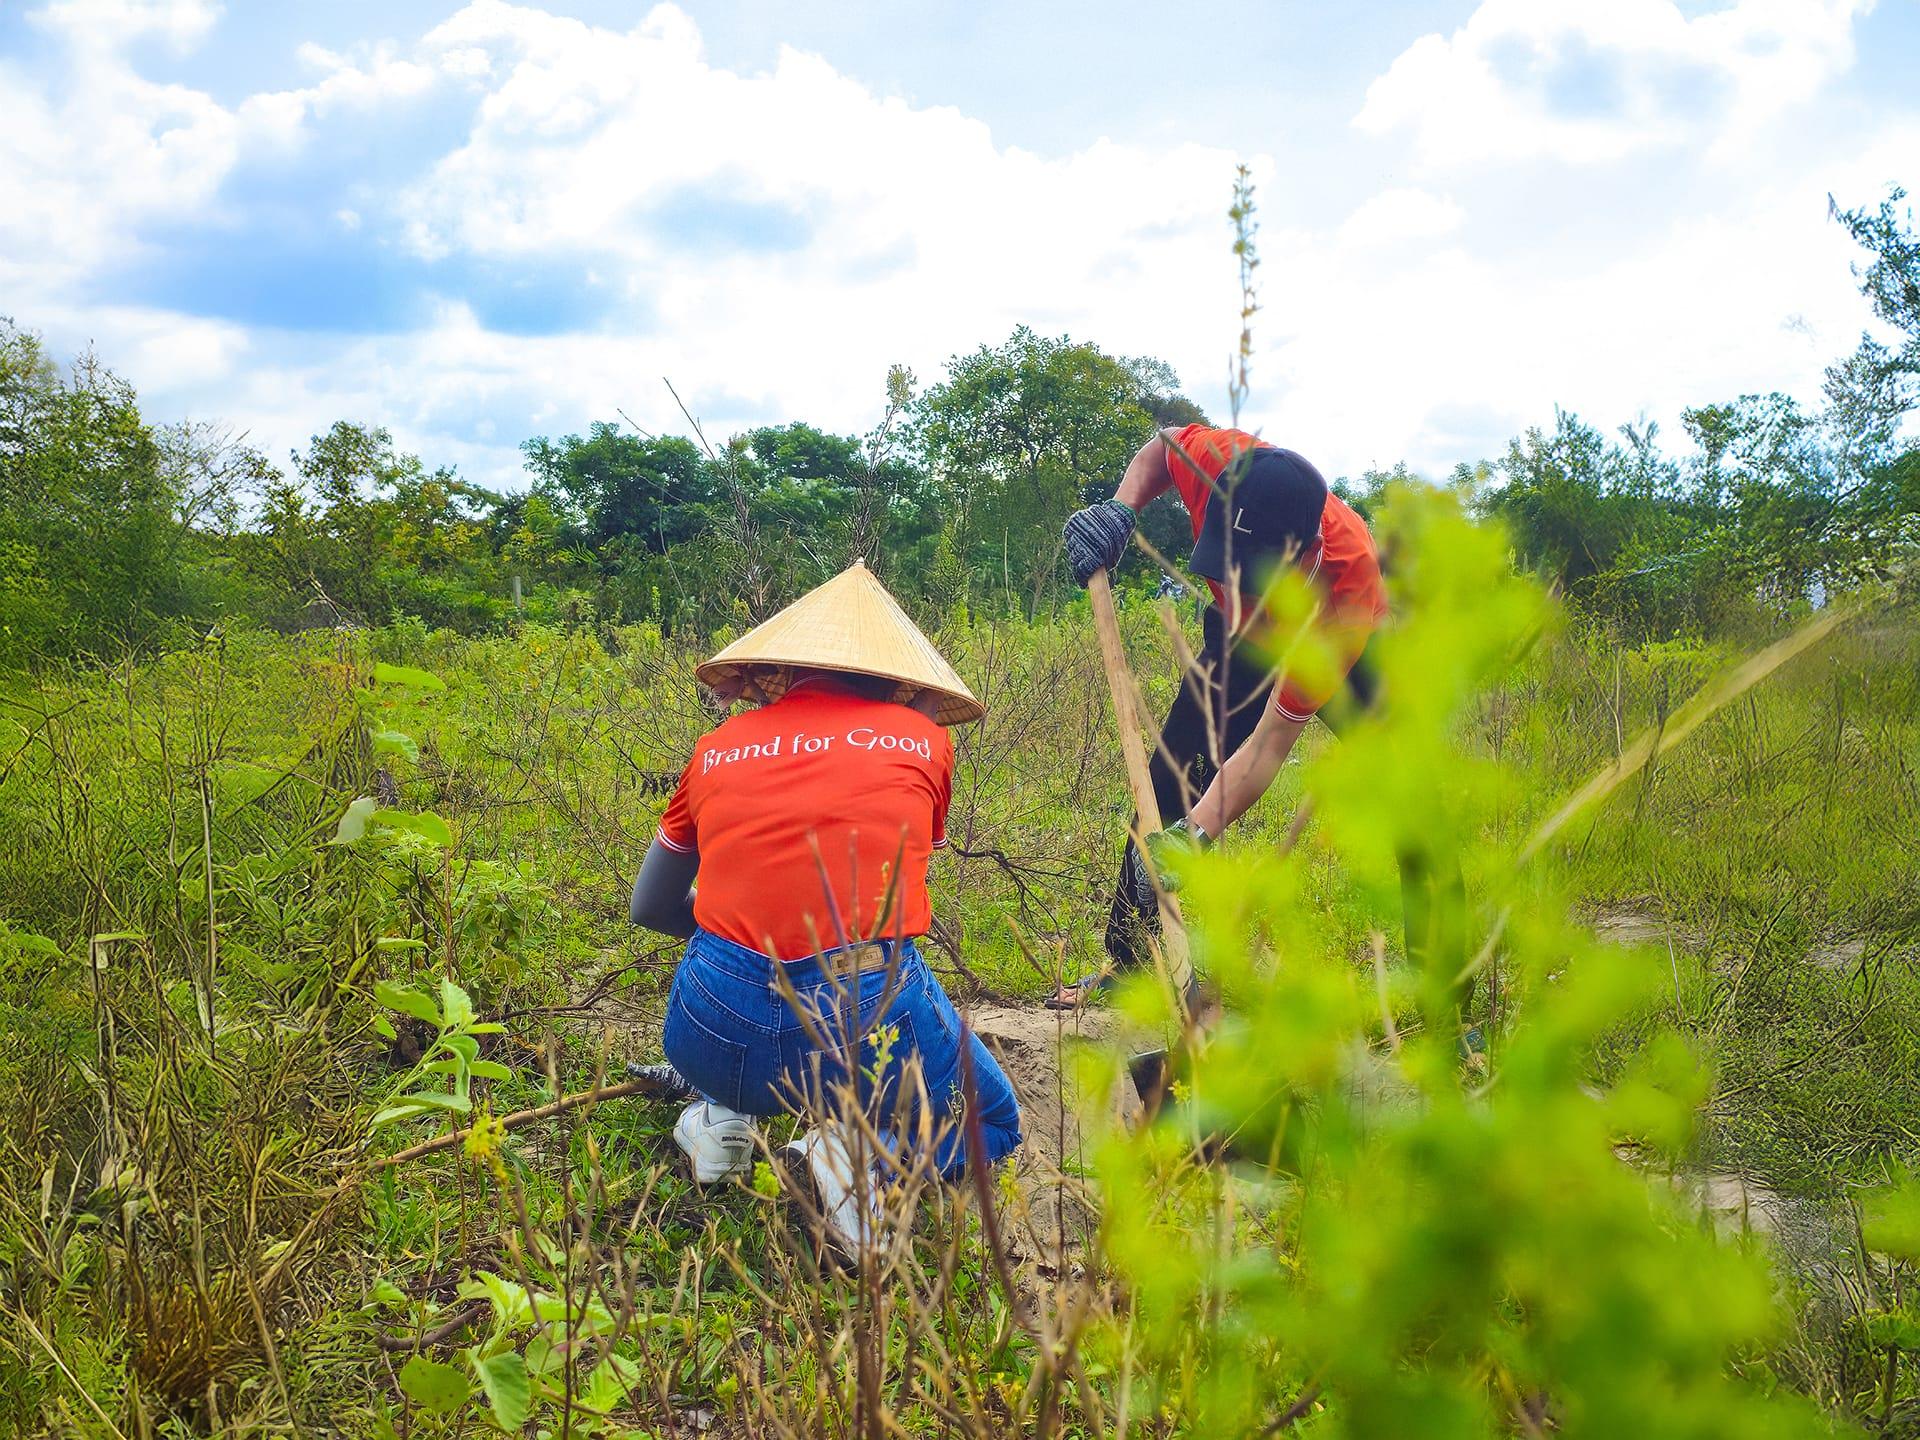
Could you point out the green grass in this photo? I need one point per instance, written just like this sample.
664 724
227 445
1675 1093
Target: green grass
1770 841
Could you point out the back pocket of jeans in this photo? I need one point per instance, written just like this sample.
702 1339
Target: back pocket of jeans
713 1063
889 1048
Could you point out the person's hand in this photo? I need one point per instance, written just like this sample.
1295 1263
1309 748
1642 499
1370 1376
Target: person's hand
1097 537
1164 849
726 688
1170 846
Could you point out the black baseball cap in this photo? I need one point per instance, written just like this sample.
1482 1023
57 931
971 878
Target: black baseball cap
1265 510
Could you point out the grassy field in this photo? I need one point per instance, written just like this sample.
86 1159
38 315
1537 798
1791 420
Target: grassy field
201 995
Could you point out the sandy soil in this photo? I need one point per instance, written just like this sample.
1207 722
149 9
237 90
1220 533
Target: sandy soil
1057 1209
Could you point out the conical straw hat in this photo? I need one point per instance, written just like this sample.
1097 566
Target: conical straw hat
850 623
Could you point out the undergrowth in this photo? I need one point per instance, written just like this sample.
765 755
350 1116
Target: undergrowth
279 908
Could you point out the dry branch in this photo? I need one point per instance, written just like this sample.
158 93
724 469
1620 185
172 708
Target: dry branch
650 1088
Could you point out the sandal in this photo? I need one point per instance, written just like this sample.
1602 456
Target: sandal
1082 993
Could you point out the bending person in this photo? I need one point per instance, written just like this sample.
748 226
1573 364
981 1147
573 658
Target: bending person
1253 507
809 822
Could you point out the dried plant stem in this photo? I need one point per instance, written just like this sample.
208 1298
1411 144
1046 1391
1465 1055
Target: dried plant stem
521 1117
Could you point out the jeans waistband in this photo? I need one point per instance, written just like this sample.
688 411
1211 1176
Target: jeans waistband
737 961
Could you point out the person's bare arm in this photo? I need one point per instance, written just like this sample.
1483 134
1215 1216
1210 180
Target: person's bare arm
1147 477
1247 773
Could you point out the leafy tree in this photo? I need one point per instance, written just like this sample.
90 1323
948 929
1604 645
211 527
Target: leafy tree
370 532
1873 390
1891 281
1556 496
1020 435
96 507
1764 465
651 491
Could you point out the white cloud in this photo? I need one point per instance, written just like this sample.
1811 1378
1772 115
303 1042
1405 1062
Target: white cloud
112 24
1596 80
1440 358
94 156
772 241
1400 214
80 169
285 118
795 227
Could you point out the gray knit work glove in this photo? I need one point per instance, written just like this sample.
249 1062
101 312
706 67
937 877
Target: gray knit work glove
1163 848
1097 537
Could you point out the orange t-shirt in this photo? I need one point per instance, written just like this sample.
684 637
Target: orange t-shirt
868 780
1344 566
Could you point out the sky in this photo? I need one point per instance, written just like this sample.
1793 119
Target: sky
476 223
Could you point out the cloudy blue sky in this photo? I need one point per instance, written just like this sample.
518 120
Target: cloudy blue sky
475 223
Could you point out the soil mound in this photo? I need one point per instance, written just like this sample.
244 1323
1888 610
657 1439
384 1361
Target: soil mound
1055 1213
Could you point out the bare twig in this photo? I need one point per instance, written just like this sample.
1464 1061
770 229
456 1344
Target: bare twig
648 1087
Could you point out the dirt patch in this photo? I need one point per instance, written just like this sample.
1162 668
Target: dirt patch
1628 925
1056 1212
1840 955
1733 1203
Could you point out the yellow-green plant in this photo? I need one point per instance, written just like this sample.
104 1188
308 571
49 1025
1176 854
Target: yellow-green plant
1356 1217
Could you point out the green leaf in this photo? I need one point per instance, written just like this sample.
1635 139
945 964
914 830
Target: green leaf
465 1046
456 1004
1896 1331
399 942
420 1102
244 781
353 824
385 674
407 1001
543 1356
1890 1219
385 1292
396 742
512 1302
592 1317
434 1100
424 823
434 1387
489 1070
37 943
400 1110
509 1392
611 1384
383 1027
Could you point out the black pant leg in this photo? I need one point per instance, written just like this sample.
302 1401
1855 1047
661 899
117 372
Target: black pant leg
1183 742
1211 715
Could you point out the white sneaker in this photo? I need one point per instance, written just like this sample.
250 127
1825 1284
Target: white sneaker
717 1140
849 1202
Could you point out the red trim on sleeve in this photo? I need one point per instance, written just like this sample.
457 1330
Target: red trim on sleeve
677 830
1289 705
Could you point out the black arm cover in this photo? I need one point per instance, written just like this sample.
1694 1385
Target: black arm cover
663 893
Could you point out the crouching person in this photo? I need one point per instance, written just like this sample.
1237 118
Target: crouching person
809 822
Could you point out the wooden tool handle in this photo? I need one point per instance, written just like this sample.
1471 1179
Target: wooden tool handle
1113 655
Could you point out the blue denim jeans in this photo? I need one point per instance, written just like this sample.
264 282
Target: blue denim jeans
736 1038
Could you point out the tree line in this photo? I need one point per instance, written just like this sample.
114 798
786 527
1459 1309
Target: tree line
118 532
